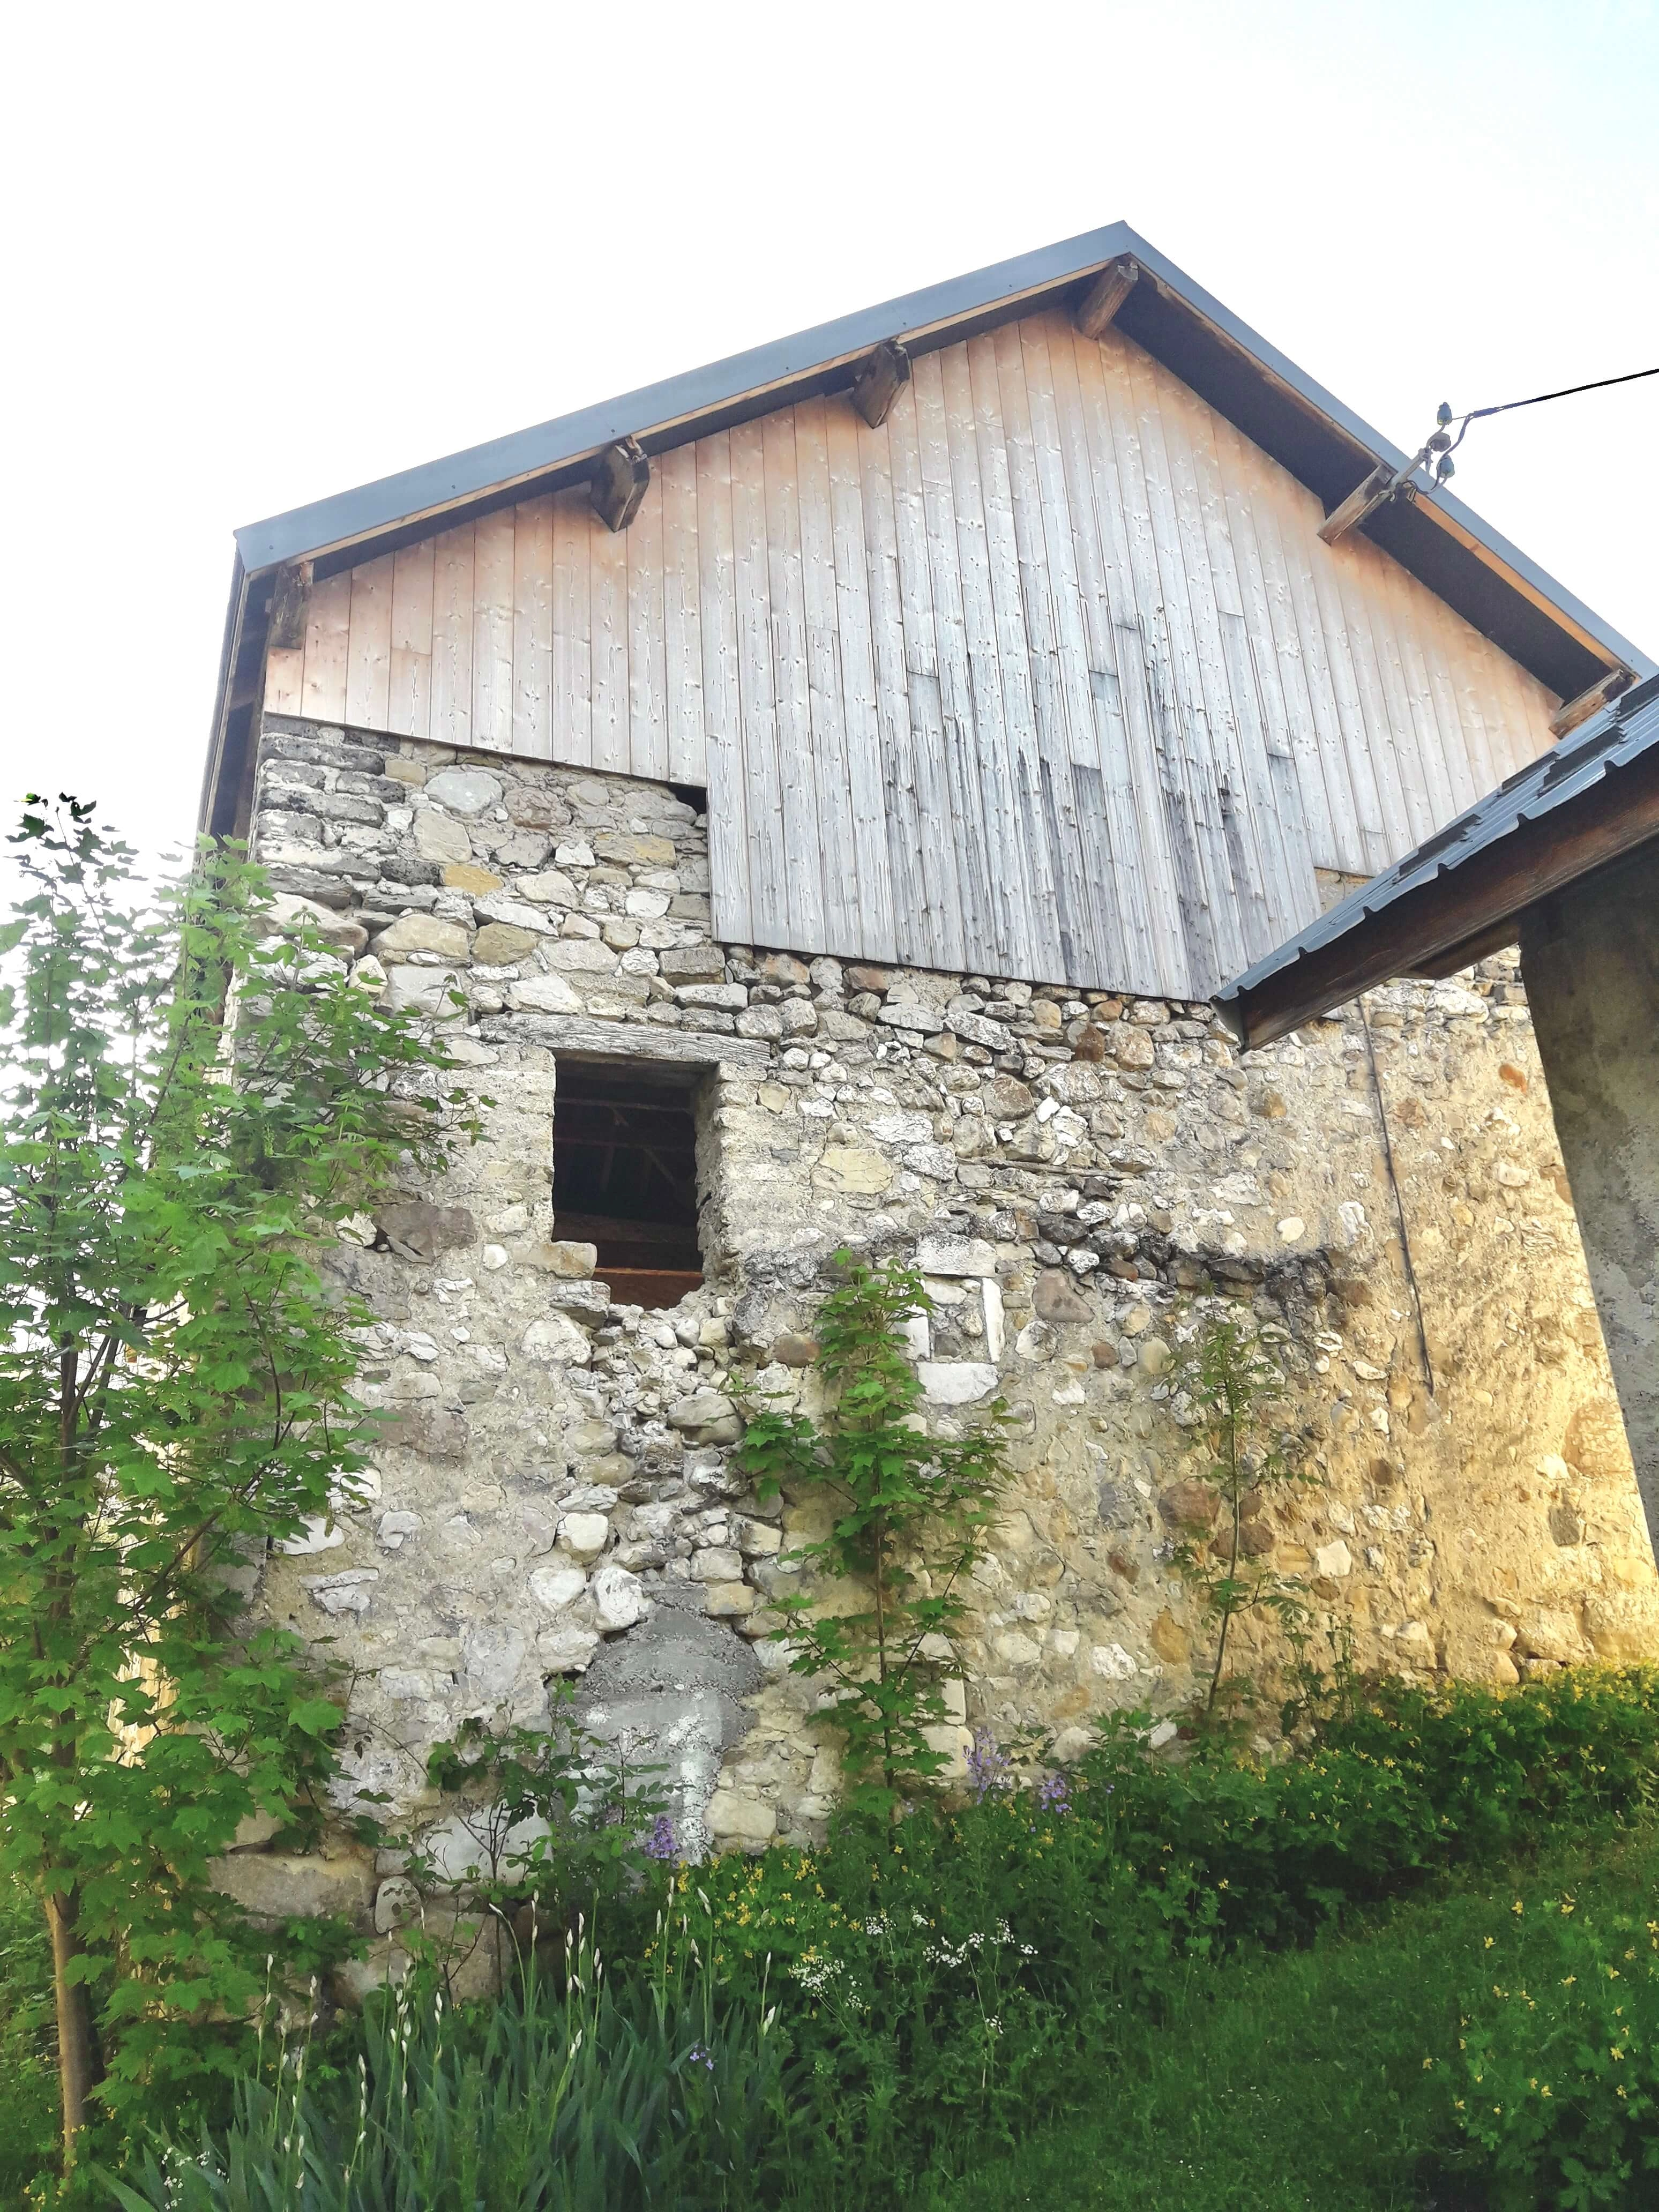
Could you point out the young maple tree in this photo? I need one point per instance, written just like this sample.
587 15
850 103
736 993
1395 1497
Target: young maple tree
175 1391
1234 1389
910 1516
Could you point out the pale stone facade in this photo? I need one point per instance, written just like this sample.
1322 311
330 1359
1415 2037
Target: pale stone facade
1072 1171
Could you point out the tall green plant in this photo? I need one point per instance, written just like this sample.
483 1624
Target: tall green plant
1236 1390
909 1514
175 1388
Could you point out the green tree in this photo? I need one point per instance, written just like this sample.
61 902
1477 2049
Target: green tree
1236 1390
175 1389
910 1516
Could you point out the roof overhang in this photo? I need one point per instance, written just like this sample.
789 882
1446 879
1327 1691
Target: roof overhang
1587 805
1475 570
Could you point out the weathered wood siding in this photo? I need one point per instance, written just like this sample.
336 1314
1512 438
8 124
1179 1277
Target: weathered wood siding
1050 675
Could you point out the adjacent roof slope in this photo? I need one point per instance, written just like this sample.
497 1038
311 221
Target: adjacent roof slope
1475 570
1589 799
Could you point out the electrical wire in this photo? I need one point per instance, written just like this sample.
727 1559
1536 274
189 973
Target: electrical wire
1475 414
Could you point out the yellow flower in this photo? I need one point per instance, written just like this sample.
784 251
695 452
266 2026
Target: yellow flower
1517 1906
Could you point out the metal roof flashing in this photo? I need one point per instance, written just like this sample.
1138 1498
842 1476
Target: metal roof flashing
1292 417
1567 777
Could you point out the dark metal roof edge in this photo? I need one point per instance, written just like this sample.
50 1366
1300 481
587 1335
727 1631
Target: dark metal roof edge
389 501
1473 831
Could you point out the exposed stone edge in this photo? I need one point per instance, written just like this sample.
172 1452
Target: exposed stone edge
625 1040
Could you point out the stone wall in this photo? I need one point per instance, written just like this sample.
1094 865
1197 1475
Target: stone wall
1073 1170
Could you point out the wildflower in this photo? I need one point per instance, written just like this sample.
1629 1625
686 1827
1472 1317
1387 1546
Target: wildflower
662 1843
1053 1794
700 2055
989 1767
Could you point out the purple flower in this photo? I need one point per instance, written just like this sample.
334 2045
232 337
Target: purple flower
662 1843
1054 1795
700 2055
989 1767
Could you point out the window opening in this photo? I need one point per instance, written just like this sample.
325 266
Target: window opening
625 1179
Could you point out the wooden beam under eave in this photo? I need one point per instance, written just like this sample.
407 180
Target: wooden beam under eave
1605 689
286 630
1097 309
1365 499
620 475
880 378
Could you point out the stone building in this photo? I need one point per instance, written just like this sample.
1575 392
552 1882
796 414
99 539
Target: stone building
836 782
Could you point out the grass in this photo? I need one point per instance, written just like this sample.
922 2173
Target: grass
1297 2083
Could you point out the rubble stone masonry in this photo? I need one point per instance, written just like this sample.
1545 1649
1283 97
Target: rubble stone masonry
1072 1170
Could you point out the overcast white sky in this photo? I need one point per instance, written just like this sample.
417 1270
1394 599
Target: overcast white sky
257 254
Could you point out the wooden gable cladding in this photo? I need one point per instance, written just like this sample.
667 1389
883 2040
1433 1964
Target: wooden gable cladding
1049 674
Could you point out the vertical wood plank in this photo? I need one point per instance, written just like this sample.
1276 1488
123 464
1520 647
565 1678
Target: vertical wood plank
923 836
1023 947
285 679
1425 789
410 708
1175 886
1198 726
802 856
1276 651
1262 844
452 636
368 655
1383 741
532 628
492 631
328 629
852 639
682 696
1062 722
1164 675
768 895
1292 525
838 853
1142 875
607 585
648 713
1258 666
1323 586
935 552
728 800
573 642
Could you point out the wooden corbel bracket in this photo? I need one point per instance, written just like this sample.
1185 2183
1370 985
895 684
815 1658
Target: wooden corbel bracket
1365 499
1602 693
1097 309
876 385
620 475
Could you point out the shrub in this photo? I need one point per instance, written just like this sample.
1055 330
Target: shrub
1396 1783
1557 2066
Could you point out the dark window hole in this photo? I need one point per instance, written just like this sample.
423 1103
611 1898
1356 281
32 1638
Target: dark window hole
625 1179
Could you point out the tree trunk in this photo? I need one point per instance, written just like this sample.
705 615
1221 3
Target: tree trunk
78 2049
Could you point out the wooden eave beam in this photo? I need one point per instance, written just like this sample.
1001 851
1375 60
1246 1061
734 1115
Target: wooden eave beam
286 628
1097 309
1365 499
1461 911
880 377
620 475
1601 693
